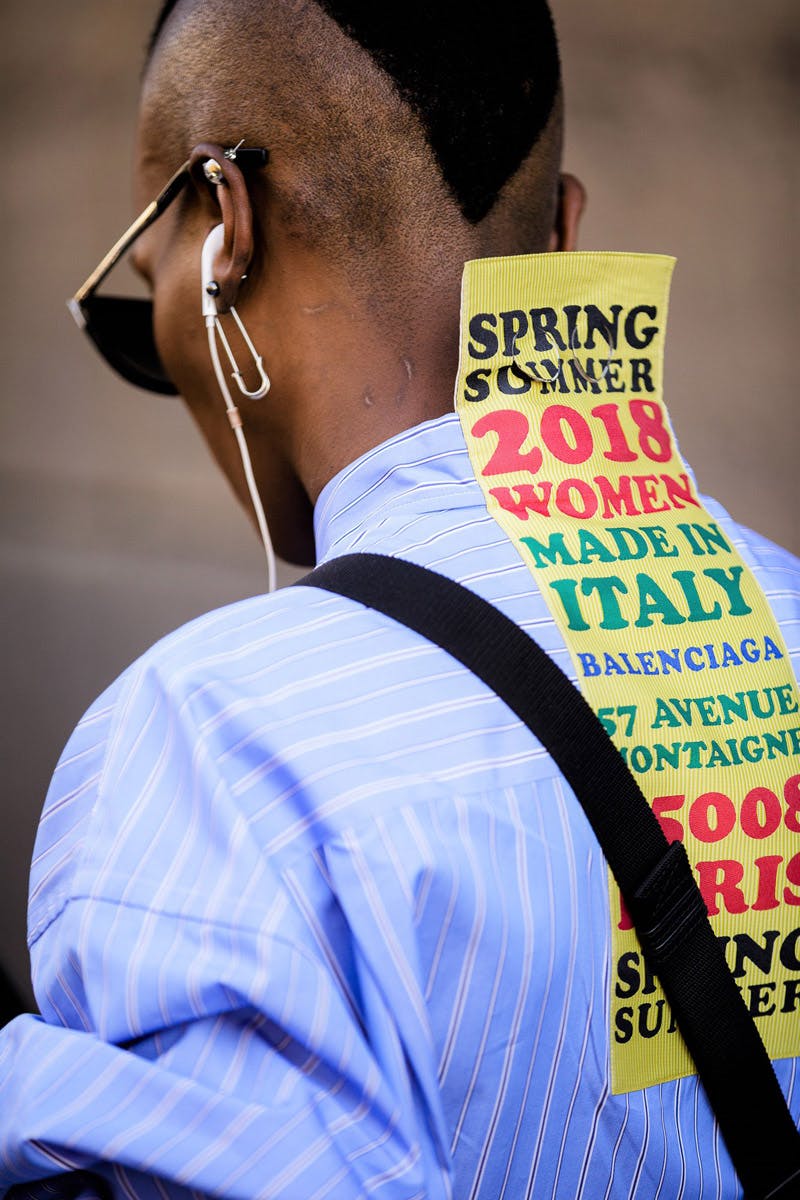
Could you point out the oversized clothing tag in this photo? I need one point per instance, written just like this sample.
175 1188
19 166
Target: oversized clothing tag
559 393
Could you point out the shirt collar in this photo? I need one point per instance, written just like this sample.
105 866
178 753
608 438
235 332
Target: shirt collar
423 468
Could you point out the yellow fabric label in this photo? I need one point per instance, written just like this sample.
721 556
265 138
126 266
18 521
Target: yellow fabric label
559 394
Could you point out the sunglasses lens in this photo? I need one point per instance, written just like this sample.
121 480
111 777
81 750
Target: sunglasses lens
122 330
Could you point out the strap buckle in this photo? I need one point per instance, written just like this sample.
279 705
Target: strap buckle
667 905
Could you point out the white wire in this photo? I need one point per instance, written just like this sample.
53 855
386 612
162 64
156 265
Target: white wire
236 425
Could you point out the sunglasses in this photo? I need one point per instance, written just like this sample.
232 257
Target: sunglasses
121 327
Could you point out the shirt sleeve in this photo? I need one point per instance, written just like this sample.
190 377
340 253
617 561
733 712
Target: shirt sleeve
283 1099
194 1037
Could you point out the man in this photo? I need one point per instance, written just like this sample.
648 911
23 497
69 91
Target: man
312 914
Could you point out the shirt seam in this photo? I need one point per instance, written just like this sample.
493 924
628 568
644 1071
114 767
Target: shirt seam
215 923
51 911
335 838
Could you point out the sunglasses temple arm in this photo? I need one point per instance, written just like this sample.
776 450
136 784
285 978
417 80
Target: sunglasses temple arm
153 210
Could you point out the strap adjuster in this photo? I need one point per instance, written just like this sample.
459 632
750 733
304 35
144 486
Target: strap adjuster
667 905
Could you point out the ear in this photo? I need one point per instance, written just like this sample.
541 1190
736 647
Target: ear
571 203
229 191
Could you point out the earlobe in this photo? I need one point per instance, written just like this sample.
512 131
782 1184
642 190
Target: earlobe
571 203
210 167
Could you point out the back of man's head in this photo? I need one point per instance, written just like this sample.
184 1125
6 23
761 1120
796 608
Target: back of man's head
404 138
448 103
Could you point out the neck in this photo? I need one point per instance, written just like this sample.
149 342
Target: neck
365 365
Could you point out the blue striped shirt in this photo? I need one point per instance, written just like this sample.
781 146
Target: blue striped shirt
313 915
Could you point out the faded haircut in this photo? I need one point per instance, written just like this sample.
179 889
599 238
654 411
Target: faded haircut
483 82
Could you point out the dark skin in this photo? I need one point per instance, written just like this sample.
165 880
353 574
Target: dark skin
346 374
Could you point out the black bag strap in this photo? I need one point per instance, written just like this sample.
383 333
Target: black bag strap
654 876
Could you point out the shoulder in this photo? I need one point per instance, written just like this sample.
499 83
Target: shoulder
764 555
776 569
759 551
146 712
260 655
166 751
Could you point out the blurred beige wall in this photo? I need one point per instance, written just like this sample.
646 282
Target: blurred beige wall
115 528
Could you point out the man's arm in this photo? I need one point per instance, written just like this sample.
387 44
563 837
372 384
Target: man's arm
195 1037
243 1098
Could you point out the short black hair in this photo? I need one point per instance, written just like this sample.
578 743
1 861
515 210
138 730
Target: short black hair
482 82
164 14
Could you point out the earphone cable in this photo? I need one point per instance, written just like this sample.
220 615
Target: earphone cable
235 420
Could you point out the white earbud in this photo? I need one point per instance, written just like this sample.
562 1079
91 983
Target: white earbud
211 248
209 291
